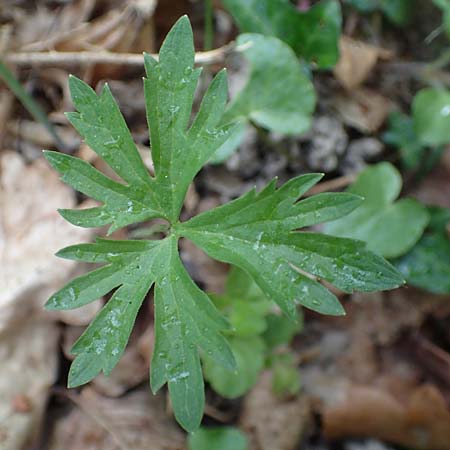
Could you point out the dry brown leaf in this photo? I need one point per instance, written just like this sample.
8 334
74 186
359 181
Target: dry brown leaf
38 134
423 422
434 359
28 368
130 371
362 109
271 422
44 29
356 62
210 272
136 421
435 188
31 231
385 316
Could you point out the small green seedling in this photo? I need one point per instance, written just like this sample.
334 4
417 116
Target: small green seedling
257 337
257 232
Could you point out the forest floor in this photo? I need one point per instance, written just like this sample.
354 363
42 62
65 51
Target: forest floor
376 379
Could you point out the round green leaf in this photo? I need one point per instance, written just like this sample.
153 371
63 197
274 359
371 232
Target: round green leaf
226 438
278 95
249 356
431 112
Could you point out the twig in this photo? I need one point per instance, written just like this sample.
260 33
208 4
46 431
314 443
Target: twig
419 71
332 185
220 416
54 58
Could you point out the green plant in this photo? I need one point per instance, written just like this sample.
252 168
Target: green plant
28 102
255 343
257 232
286 107
427 264
414 153
389 227
312 34
225 438
444 5
397 11
276 35
422 136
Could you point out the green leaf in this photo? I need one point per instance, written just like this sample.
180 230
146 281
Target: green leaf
431 112
178 153
427 265
122 204
313 34
443 4
254 233
249 354
169 91
401 134
446 21
230 145
390 228
277 96
397 11
224 438
255 332
243 299
279 330
414 154
285 375
185 319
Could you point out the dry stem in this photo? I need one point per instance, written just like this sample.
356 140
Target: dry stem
54 58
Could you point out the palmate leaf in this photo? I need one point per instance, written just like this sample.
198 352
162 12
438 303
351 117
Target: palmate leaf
185 319
255 232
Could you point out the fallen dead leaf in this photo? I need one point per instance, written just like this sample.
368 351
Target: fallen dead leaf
423 422
356 62
29 237
271 422
363 109
28 368
211 273
385 316
435 188
136 421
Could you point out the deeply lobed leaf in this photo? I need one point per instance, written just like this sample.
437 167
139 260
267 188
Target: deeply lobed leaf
178 154
255 232
185 318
